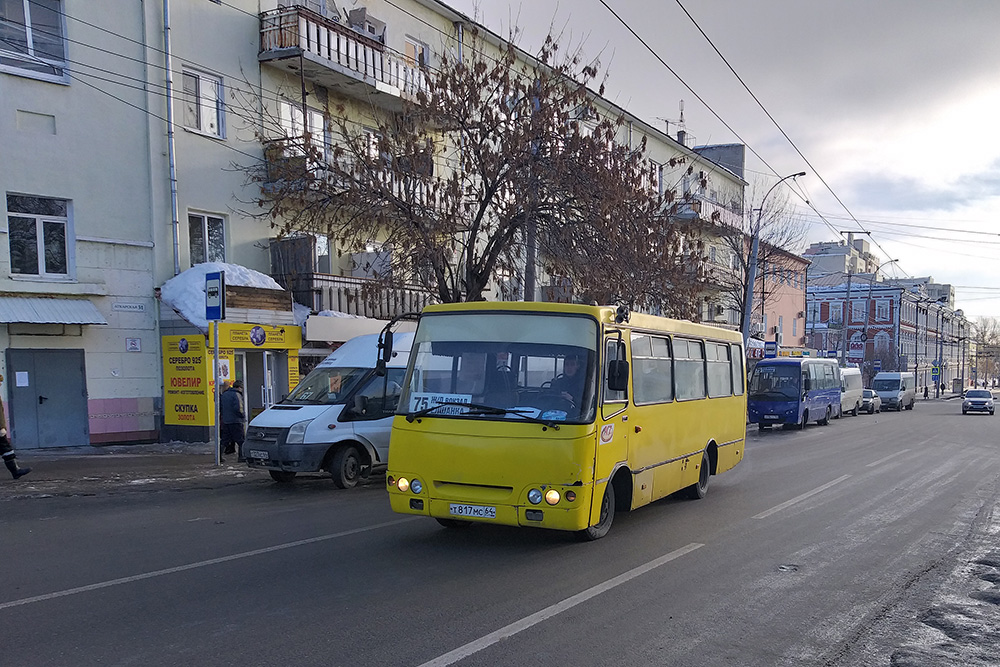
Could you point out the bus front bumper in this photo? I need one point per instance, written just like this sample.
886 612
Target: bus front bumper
563 516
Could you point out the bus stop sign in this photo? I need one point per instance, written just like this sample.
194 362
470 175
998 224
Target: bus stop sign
770 349
878 365
936 372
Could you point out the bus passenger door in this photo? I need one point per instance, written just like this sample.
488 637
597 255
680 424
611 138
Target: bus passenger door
613 427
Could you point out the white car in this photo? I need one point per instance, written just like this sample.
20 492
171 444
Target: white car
978 400
870 401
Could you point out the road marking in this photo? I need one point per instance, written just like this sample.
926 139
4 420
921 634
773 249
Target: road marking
797 499
534 619
887 458
193 566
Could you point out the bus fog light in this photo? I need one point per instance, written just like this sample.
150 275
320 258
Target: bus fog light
570 496
552 496
534 496
390 480
403 484
416 486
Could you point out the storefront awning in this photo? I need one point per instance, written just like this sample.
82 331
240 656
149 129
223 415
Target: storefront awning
48 310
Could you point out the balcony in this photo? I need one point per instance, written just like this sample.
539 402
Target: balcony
364 297
343 60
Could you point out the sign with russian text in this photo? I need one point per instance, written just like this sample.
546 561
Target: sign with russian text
188 386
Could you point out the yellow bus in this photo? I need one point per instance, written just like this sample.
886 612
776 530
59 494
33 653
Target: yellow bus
558 415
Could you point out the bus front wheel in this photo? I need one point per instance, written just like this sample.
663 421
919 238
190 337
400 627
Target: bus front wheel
699 489
601 528
826 417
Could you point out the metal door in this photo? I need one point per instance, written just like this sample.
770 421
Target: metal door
48 398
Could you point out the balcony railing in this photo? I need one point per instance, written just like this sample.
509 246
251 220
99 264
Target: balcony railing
356 296
289 31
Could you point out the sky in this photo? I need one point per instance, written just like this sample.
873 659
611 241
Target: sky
892 107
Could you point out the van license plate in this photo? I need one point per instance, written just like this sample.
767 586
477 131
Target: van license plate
258 454
479 511
770 416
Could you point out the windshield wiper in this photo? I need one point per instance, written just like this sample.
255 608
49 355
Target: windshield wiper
480 409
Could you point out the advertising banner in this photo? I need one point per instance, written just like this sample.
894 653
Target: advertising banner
188 386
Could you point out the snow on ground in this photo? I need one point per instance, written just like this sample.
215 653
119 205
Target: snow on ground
962 626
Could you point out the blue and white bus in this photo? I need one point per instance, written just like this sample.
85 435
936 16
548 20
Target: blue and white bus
794 390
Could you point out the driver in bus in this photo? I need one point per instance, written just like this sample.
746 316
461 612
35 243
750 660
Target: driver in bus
570 383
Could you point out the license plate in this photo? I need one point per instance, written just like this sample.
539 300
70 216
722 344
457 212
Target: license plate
258 454
770 416
479 511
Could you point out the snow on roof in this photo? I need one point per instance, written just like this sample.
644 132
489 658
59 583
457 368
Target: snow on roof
185 292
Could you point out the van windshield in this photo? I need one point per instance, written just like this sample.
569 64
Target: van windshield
885 385
326 386
775 383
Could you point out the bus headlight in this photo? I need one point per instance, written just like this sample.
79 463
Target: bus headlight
552 496
416 486
297 433
534 496
403 484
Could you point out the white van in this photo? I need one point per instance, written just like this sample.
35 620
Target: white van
897 390
851 389
337 419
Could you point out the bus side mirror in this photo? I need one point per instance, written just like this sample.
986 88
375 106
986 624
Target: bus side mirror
617 375
385 353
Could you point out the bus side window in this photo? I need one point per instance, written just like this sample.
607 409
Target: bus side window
738 374
689 369
719 374
613 352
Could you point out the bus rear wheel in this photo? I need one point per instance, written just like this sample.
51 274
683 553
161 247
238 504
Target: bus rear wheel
601 528
699 489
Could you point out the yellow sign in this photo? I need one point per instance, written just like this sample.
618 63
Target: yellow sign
257 336
188 386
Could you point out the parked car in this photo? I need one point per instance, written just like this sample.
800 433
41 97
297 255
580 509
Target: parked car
977 400
870 401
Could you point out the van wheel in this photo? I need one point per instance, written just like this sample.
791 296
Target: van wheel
346 467
826 418
854 412
601 528
699 489
282 476
910 406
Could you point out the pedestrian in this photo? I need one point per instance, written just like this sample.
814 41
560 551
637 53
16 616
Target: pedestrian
232 416
7 449
926 392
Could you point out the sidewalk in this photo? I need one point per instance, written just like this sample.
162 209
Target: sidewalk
73 471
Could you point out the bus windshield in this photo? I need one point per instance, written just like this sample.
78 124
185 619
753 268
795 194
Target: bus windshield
775 383
326 385
503 366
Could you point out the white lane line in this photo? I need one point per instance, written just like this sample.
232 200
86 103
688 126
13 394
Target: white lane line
887 458
193 566
798 499
534 619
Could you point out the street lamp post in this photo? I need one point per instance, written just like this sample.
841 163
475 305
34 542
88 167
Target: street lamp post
752 265
868 312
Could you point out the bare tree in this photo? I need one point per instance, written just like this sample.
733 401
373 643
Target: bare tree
497 155
781 234
986 334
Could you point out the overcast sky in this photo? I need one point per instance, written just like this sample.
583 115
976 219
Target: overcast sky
895 104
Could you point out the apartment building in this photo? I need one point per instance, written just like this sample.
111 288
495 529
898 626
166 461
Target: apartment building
128 133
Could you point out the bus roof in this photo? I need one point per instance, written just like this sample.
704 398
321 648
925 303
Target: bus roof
603 314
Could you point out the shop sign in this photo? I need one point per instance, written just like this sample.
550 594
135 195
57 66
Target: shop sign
188 386
258 336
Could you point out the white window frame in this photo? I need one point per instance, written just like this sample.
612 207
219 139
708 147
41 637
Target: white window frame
836 312
290 117
9 58
204 218
882 309
40 220
200 110
858 310
813 311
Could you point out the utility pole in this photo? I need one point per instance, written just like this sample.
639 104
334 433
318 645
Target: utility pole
846 320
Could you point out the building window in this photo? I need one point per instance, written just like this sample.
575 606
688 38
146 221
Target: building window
416 53
32 39
203 104
39 235
882 310
207 238
290 116
813 314
858 311
836 313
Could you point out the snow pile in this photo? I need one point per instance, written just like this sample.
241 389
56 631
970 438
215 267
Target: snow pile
185 293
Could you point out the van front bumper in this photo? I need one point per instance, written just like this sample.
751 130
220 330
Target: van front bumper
271 453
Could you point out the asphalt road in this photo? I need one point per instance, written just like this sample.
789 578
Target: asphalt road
871 541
